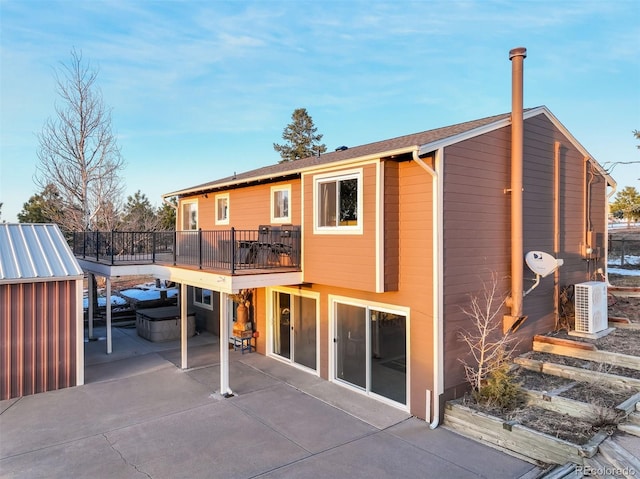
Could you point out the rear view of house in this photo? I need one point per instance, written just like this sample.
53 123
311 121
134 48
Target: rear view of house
359 261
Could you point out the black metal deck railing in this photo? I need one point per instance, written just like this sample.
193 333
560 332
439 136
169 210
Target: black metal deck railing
269 247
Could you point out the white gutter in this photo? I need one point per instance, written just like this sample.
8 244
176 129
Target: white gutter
438 336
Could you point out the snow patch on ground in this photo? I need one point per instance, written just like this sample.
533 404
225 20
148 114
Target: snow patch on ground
147 294
102 302
628 259
624 272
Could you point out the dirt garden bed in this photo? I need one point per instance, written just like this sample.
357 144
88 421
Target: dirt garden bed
585 365
624 307
562 426
540 416
618 341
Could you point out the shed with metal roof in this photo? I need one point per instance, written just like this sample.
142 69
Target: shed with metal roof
41 315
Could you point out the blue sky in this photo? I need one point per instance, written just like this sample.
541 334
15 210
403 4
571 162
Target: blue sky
200 89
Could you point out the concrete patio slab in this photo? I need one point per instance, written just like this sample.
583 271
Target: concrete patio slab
446 444
310 424
140 416
87 457
54 417
376 456
215 441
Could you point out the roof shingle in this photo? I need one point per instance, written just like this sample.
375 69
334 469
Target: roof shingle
379 147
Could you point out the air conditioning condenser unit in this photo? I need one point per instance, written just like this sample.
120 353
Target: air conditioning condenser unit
591 307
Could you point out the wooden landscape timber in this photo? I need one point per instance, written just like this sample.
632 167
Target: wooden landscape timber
581 350
577 374
622 323
559 404
517 439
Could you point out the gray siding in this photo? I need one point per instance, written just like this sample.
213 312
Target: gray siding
477 227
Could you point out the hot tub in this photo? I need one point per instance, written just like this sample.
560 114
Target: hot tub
162 324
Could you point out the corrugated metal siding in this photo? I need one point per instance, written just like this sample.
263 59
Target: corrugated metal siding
35 252
37 337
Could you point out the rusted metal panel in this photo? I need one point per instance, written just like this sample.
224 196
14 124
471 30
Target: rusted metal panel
38 337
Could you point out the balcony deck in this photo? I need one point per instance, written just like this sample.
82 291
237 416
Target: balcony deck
235 252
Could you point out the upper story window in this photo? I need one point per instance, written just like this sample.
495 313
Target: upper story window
280 204
338 203
222 209
190 215
202 297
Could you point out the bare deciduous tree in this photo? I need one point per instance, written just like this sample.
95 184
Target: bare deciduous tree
79 154
489 349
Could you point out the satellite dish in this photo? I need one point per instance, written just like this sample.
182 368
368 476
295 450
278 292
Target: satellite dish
541 263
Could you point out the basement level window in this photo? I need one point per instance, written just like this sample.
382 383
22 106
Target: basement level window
203 298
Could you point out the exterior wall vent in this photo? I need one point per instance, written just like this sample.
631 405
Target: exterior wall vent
591 307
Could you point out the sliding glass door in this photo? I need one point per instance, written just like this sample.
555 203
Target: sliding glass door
294 328
371 350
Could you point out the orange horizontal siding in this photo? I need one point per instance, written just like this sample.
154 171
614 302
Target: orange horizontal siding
249 206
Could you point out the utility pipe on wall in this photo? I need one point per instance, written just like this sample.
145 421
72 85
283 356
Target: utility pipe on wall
556 231
517 56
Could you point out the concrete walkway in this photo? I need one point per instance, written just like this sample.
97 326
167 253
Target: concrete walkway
140 416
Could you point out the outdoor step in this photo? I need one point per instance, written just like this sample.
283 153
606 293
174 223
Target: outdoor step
638 406
564 471
599 468
630 429
619 457
634 418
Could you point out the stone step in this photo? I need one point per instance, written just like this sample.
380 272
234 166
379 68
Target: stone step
630 428
623 461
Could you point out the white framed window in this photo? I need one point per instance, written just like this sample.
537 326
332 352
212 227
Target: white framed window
281 204
222 209
190 215
338 203
203 298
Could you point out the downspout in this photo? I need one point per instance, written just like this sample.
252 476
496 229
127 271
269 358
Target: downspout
605 275
510 323
433 397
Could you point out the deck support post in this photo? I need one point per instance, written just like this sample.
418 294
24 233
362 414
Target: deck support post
183 325
224 347
90 299
108 293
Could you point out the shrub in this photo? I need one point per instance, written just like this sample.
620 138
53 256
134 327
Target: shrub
500 389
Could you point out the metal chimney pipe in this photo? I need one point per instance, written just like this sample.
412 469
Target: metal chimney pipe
517 56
